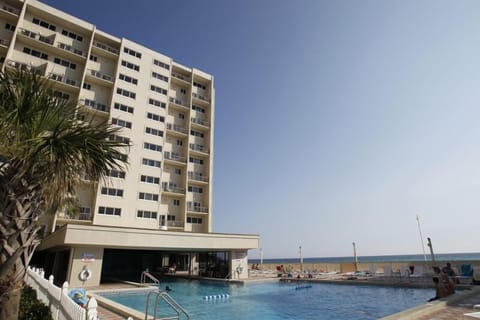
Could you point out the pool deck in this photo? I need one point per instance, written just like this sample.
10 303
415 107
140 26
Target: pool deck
450 308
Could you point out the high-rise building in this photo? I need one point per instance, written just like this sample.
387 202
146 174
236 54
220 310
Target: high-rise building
158 212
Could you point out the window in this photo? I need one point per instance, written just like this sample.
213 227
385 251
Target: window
195 160
35 53
199 85
183 91
155 117
151 162
194 220
161 64
198 109
154 132
10 27
179 142
130 65
159 76
116 174
153 147
196 133
93 58
122 123
147 196
126 93
123 107
123 157
65 63
132 52
87 86
157 103
128 79
149 179
195 189
178 171
158 90
146 214
176 202
61 95
112 192
109 211
44 24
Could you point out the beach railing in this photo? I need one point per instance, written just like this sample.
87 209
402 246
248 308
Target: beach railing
57 299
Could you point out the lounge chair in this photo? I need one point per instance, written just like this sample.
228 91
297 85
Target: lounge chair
418 271
476 275
466 274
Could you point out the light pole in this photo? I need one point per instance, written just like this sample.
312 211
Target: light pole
421 239
261 256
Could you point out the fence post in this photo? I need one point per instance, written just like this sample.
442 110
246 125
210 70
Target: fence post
92 309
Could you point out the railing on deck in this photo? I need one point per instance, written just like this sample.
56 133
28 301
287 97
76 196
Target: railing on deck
57 299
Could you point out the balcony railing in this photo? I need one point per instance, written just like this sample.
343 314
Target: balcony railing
105 47
78 216
95 105
197 96
166 187
177 101
174 156
200 122
63 79
71 49
198 147
13 10
180 76
23 66
37 36
196 208
176 128
100 75
197 176
4 42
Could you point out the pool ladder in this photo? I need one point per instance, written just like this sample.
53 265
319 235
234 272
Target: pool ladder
145 275
168 300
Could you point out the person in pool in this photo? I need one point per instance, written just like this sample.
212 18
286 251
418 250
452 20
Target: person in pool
168 289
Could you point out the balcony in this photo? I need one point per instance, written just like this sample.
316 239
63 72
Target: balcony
200 122
71 49
181 77
197 176
198 148
9 9
173 156
64 80
4 43
105 48
200 97
178 102
40 70
171 188
171 224
95 106
82 216
37 36
177 129
100 77
193 207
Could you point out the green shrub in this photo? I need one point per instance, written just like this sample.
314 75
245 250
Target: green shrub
31 308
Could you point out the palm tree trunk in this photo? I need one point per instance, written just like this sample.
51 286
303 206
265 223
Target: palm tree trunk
19 210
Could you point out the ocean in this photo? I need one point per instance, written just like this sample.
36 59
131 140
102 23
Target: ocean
393 258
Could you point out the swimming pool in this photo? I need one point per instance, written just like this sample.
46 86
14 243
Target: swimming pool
280 301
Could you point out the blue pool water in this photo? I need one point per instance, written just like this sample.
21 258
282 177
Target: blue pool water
278 301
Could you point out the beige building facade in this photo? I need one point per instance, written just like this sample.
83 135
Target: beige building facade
158 211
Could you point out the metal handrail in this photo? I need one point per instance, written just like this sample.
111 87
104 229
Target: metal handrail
145 275
168 300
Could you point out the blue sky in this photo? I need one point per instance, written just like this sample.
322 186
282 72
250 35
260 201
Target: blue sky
336 121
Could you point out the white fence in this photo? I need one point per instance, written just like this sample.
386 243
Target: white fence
57 299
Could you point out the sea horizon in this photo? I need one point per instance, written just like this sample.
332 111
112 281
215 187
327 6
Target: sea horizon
472 256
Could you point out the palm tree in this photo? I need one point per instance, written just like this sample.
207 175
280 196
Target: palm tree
43 151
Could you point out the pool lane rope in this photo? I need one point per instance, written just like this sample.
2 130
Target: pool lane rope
223 296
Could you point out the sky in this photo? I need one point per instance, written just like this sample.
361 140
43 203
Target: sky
336 121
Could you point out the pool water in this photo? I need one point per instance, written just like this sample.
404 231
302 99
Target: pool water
278 301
